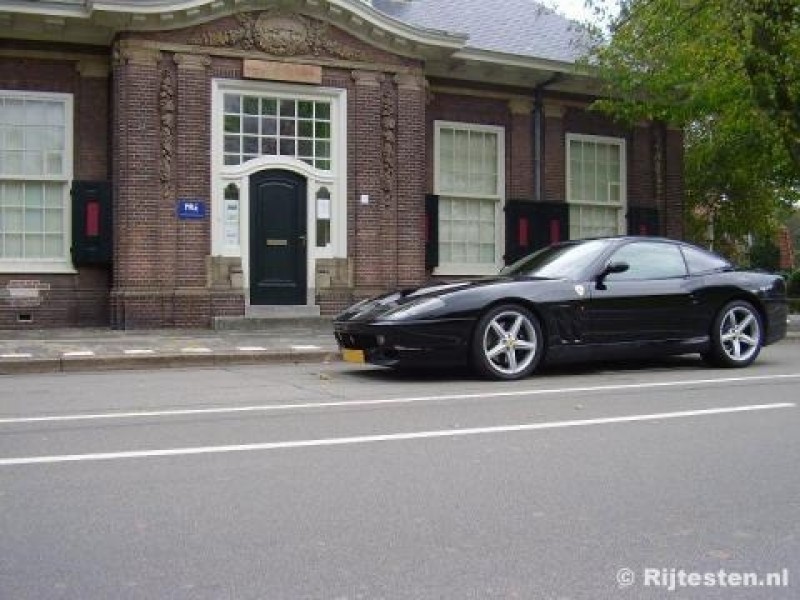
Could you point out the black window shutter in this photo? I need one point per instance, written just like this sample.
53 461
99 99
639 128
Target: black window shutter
534 225
431 231
643 221
92 223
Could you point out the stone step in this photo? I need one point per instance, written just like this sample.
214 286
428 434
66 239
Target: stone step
265 318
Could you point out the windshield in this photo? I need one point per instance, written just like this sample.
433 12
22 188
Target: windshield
562 261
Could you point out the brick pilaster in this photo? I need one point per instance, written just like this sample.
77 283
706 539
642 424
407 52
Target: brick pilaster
411 147
520 185
366 243
554 168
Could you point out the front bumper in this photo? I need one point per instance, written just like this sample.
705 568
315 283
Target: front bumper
412 343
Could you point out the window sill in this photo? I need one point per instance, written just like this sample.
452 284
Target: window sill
29 267
466 270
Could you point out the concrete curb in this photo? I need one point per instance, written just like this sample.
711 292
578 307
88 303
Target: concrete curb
162 361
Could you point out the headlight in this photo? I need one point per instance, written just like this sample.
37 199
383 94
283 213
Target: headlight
414 309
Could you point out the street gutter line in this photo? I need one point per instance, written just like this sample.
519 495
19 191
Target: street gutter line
386 401
447 433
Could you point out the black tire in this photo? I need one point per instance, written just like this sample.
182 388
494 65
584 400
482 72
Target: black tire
507 343
737 335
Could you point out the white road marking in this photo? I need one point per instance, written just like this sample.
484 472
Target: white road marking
194 350
77 353
306 347
391 437
389 401
17 355
251 349
137 351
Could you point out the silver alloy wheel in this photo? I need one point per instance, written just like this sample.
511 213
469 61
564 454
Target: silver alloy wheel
740 334
509 342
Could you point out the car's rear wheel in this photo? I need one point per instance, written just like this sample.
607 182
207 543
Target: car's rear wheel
507 343
736 335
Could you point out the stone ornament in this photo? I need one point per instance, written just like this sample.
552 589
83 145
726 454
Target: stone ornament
166 105
279 34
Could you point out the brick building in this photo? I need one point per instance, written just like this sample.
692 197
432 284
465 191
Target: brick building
168 163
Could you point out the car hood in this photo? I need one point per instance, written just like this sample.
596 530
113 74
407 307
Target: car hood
374 308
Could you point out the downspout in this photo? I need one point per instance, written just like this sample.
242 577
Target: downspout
538 136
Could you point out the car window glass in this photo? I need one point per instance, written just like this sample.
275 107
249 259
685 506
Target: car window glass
567 260
700 261
649 260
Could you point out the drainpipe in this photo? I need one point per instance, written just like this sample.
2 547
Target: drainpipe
538 136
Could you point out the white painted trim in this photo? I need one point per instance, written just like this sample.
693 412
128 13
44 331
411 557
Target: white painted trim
622 207
64 264
335 179
465 269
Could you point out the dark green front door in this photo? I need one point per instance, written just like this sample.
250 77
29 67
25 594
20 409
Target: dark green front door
277 238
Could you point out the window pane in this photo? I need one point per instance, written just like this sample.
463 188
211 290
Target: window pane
232 124
287 108
232 143
12 248
53 221
250 145
53 246
269 146
287 127
269 106
305 109
233 103
322 110
34 220
250 125
250 105
287 147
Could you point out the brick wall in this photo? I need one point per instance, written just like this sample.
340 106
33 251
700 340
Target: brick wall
82 298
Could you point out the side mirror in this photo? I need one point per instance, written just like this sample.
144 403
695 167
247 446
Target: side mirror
610 268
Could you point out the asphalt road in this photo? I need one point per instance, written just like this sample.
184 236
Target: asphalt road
341 482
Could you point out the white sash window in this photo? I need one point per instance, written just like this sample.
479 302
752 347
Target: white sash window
595 186
470 183
35 175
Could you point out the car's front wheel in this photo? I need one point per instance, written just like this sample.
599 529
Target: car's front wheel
736 335
507 343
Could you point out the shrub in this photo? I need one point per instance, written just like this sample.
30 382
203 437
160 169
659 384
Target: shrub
793 284
764 254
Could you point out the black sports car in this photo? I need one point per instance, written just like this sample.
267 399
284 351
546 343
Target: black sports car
608 297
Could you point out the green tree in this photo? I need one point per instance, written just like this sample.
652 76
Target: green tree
728 72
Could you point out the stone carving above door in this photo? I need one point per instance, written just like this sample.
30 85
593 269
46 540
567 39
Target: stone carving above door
278 33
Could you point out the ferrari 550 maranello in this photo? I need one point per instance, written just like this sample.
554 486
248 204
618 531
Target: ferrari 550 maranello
610 298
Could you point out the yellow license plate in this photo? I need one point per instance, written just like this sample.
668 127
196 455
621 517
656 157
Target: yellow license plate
353 356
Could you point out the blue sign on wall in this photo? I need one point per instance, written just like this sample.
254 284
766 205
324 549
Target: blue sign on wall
191 208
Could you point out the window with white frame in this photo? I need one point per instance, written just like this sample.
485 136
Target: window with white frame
595 185
470 183
35 174
271 126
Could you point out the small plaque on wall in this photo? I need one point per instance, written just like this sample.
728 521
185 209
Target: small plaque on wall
191 208
278 71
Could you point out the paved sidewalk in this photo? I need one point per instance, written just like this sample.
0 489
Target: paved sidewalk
55 350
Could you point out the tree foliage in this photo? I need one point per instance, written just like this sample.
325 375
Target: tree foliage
728 72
